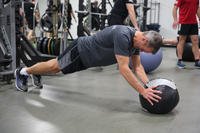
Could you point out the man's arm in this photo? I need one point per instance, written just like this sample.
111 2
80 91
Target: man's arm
73 15
174 14
126 72
198 12
132 15
139 69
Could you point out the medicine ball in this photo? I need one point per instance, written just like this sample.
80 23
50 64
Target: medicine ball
187 52
169 97
151 61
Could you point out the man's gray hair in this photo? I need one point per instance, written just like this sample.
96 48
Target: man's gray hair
155 40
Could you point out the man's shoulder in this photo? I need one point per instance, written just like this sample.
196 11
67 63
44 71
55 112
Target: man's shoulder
119 26
123 29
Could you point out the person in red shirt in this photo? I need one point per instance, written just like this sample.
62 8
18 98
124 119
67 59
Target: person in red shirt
188 27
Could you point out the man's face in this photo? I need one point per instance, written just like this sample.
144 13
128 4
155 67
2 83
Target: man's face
143 40
143 44
146 49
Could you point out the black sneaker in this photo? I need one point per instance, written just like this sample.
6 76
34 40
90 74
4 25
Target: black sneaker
21 81
37 81
197 64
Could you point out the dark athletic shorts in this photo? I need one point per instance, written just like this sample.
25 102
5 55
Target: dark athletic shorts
29 11
70 61
188 29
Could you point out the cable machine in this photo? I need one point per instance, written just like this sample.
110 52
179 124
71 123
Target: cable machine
15 48
7 40
85 27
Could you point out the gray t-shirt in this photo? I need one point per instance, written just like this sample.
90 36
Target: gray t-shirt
101 48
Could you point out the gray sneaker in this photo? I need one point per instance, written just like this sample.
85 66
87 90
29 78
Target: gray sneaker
37 81
180 64
21 81
197 64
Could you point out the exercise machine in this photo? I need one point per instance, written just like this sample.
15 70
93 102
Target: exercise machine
7 40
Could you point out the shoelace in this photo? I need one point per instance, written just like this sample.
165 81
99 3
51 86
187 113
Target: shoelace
38 77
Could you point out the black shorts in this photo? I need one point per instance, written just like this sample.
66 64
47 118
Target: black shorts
29 11
70 61
188 29
30 23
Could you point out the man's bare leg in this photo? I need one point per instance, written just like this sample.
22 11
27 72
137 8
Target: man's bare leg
195 49
50 66
180 47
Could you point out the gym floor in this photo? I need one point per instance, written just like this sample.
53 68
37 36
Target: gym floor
94 101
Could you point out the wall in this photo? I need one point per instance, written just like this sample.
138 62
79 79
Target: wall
166 18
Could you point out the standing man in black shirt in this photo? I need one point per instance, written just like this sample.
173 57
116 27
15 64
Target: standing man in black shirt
121 10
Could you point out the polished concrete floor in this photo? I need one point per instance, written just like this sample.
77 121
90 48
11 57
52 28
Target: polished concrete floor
99 102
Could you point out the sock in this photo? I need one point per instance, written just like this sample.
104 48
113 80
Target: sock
23 72
196 61
179 60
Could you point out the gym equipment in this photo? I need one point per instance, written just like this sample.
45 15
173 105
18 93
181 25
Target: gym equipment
28 54
85 16
47 24
153 26
169 97
7 40
95 21
5 57
187 52
54 17
14 46
49 46
5 65
5 1
154 16
151 61
51 20
65 30
144 19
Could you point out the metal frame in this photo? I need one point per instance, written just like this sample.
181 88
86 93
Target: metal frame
23 50
81 29
7 23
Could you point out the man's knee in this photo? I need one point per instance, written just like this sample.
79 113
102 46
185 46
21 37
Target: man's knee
182 40
195 40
